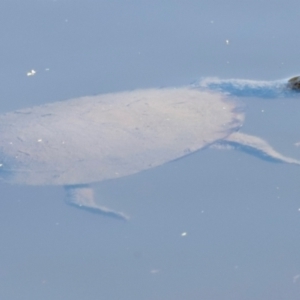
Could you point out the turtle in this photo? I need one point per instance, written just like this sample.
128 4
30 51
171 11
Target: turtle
77 142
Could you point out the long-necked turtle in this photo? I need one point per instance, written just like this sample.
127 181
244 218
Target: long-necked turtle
79 141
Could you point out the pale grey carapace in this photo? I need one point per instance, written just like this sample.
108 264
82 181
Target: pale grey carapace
76 142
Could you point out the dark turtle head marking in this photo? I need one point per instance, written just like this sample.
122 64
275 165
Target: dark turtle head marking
294 83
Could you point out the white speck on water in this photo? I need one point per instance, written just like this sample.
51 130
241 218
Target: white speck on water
31 73
1 165
262 110
184 234
39 140
227 42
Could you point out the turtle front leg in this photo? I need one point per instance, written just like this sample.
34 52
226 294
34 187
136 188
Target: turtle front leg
258 147
82 196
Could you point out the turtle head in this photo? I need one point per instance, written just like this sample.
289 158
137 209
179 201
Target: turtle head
294 83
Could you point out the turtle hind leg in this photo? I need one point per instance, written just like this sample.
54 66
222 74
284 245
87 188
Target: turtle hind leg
82 196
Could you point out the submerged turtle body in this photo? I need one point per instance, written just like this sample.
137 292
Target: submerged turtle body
79 141
108 136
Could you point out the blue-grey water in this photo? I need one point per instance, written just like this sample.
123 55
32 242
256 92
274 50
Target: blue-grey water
218 224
